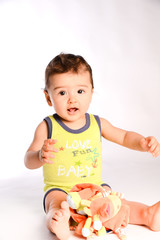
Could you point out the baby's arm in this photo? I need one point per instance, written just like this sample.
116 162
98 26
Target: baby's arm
129 139
41 148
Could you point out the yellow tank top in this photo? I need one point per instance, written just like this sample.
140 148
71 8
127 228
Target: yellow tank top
79 159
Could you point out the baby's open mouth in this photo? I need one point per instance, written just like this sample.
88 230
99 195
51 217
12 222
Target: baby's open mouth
72 110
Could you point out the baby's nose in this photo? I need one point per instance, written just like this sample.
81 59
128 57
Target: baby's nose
72 98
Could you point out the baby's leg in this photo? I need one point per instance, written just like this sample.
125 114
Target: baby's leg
58 214
142 214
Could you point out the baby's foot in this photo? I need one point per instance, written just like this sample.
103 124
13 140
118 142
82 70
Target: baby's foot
154 219
60 222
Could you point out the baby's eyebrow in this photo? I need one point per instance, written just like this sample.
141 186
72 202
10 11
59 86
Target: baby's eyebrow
60 87
83 86
78 86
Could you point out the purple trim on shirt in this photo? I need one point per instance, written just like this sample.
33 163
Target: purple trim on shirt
75 131
85 127
49 124
52 189
99 123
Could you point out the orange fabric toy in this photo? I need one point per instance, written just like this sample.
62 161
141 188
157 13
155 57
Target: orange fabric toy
96 210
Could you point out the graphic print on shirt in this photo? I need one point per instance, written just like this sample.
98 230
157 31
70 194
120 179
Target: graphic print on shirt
79 148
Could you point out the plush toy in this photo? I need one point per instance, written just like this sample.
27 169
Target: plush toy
96 210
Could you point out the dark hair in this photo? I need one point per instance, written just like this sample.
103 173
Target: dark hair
63 63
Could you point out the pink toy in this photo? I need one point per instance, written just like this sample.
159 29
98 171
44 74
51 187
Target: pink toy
96 210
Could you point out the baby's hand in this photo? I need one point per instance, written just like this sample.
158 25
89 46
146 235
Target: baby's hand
46 152
150 144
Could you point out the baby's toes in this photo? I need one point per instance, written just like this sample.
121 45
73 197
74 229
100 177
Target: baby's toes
60 213
57 215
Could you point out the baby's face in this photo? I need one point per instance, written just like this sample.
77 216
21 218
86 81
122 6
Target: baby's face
70 94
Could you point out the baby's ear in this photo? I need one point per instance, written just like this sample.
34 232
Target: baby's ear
48 99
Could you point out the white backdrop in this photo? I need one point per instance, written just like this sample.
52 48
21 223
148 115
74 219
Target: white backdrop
120 40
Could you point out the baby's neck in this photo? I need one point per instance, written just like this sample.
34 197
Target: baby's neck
75 125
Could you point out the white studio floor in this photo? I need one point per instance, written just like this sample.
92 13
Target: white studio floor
21 212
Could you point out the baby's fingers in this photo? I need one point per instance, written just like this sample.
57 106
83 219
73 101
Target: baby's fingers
154 147
151 141
46 160
49 148
45 157
50 141
156 151
49 145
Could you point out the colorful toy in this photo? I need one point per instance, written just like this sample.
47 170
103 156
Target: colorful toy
96 210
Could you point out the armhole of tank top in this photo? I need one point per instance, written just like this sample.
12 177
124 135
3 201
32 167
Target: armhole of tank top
49 124
99 124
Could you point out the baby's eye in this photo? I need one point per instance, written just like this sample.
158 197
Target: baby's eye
80 91
62 93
